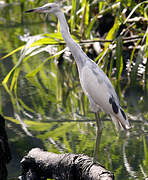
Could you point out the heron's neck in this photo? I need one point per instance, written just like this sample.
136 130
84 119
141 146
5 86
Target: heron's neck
75 49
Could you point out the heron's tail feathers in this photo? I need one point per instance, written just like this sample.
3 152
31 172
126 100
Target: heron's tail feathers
121 120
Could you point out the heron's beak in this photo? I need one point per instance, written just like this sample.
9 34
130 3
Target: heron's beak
39 9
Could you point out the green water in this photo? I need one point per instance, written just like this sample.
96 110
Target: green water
50 110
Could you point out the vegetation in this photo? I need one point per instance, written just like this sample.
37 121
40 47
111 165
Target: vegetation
43 85
128 34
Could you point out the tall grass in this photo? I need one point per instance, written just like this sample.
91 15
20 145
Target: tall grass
124 37
82 24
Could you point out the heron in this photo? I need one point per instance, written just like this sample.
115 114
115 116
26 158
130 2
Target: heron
94 82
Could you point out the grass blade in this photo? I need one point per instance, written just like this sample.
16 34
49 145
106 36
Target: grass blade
131 13
12 52
112 33
34 72
119 60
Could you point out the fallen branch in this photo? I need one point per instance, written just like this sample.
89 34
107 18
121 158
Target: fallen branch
39 164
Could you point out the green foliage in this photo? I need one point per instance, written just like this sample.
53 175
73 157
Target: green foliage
119 60
86 26
145 161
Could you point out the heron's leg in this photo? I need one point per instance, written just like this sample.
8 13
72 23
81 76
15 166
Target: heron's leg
98 136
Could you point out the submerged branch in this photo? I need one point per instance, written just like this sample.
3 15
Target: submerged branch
39 164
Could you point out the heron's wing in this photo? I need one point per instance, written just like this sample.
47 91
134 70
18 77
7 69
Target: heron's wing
101 93
100 75
97 87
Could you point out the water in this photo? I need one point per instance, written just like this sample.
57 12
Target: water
50 110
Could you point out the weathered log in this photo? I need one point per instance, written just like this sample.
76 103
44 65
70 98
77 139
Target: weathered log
39 164
5 155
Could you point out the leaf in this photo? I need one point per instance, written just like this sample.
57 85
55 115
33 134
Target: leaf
8 76
110 68
145 12
56 35
110 8
73 14
12 119
86 12
101 3
146 43
12 52
119 60
34 72
14 70
90 26
25 106
145 152
38 126
131 13
4 82
45 41
112 33
14 78
132 55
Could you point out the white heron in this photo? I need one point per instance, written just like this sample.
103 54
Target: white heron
95 84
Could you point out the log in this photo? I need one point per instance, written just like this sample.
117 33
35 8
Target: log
5 154
39 164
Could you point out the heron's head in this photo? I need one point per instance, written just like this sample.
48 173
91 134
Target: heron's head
47 8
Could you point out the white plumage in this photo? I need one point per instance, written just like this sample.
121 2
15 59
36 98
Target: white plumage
94 82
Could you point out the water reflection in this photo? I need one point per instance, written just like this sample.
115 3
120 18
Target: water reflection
50 111
63 124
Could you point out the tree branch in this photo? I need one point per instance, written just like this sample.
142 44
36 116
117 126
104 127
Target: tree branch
39 164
